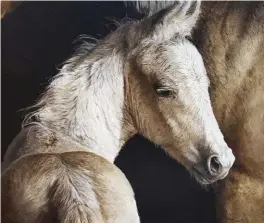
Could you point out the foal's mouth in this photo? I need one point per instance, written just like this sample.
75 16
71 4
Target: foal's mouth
201 177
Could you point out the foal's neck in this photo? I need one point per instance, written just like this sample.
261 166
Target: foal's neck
86 103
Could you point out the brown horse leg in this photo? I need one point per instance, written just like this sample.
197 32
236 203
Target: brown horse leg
240 199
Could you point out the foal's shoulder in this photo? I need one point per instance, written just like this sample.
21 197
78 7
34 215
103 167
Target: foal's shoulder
98 168
76 179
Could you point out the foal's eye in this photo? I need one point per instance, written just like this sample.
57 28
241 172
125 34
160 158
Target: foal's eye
164 92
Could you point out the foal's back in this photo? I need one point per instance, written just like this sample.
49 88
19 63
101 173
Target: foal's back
67 187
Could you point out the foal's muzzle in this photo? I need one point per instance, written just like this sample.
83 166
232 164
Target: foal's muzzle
214 168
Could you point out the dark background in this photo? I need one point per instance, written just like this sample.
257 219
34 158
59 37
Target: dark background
36 38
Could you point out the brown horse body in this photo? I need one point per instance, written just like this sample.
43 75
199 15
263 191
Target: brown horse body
230 36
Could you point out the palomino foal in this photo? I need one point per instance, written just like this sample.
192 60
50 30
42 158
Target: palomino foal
145 77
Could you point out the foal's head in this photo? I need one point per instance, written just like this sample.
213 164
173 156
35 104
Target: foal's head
167 94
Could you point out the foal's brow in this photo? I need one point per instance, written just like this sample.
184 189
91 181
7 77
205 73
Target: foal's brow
169 81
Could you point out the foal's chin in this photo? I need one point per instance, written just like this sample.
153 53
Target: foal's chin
203 179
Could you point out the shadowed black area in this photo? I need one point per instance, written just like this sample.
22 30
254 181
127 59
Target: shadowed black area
36 38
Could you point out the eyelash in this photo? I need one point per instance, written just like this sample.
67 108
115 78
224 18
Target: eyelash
165 92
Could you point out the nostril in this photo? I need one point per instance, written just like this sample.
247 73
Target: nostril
214 165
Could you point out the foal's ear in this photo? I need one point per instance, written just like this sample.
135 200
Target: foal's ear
176 19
